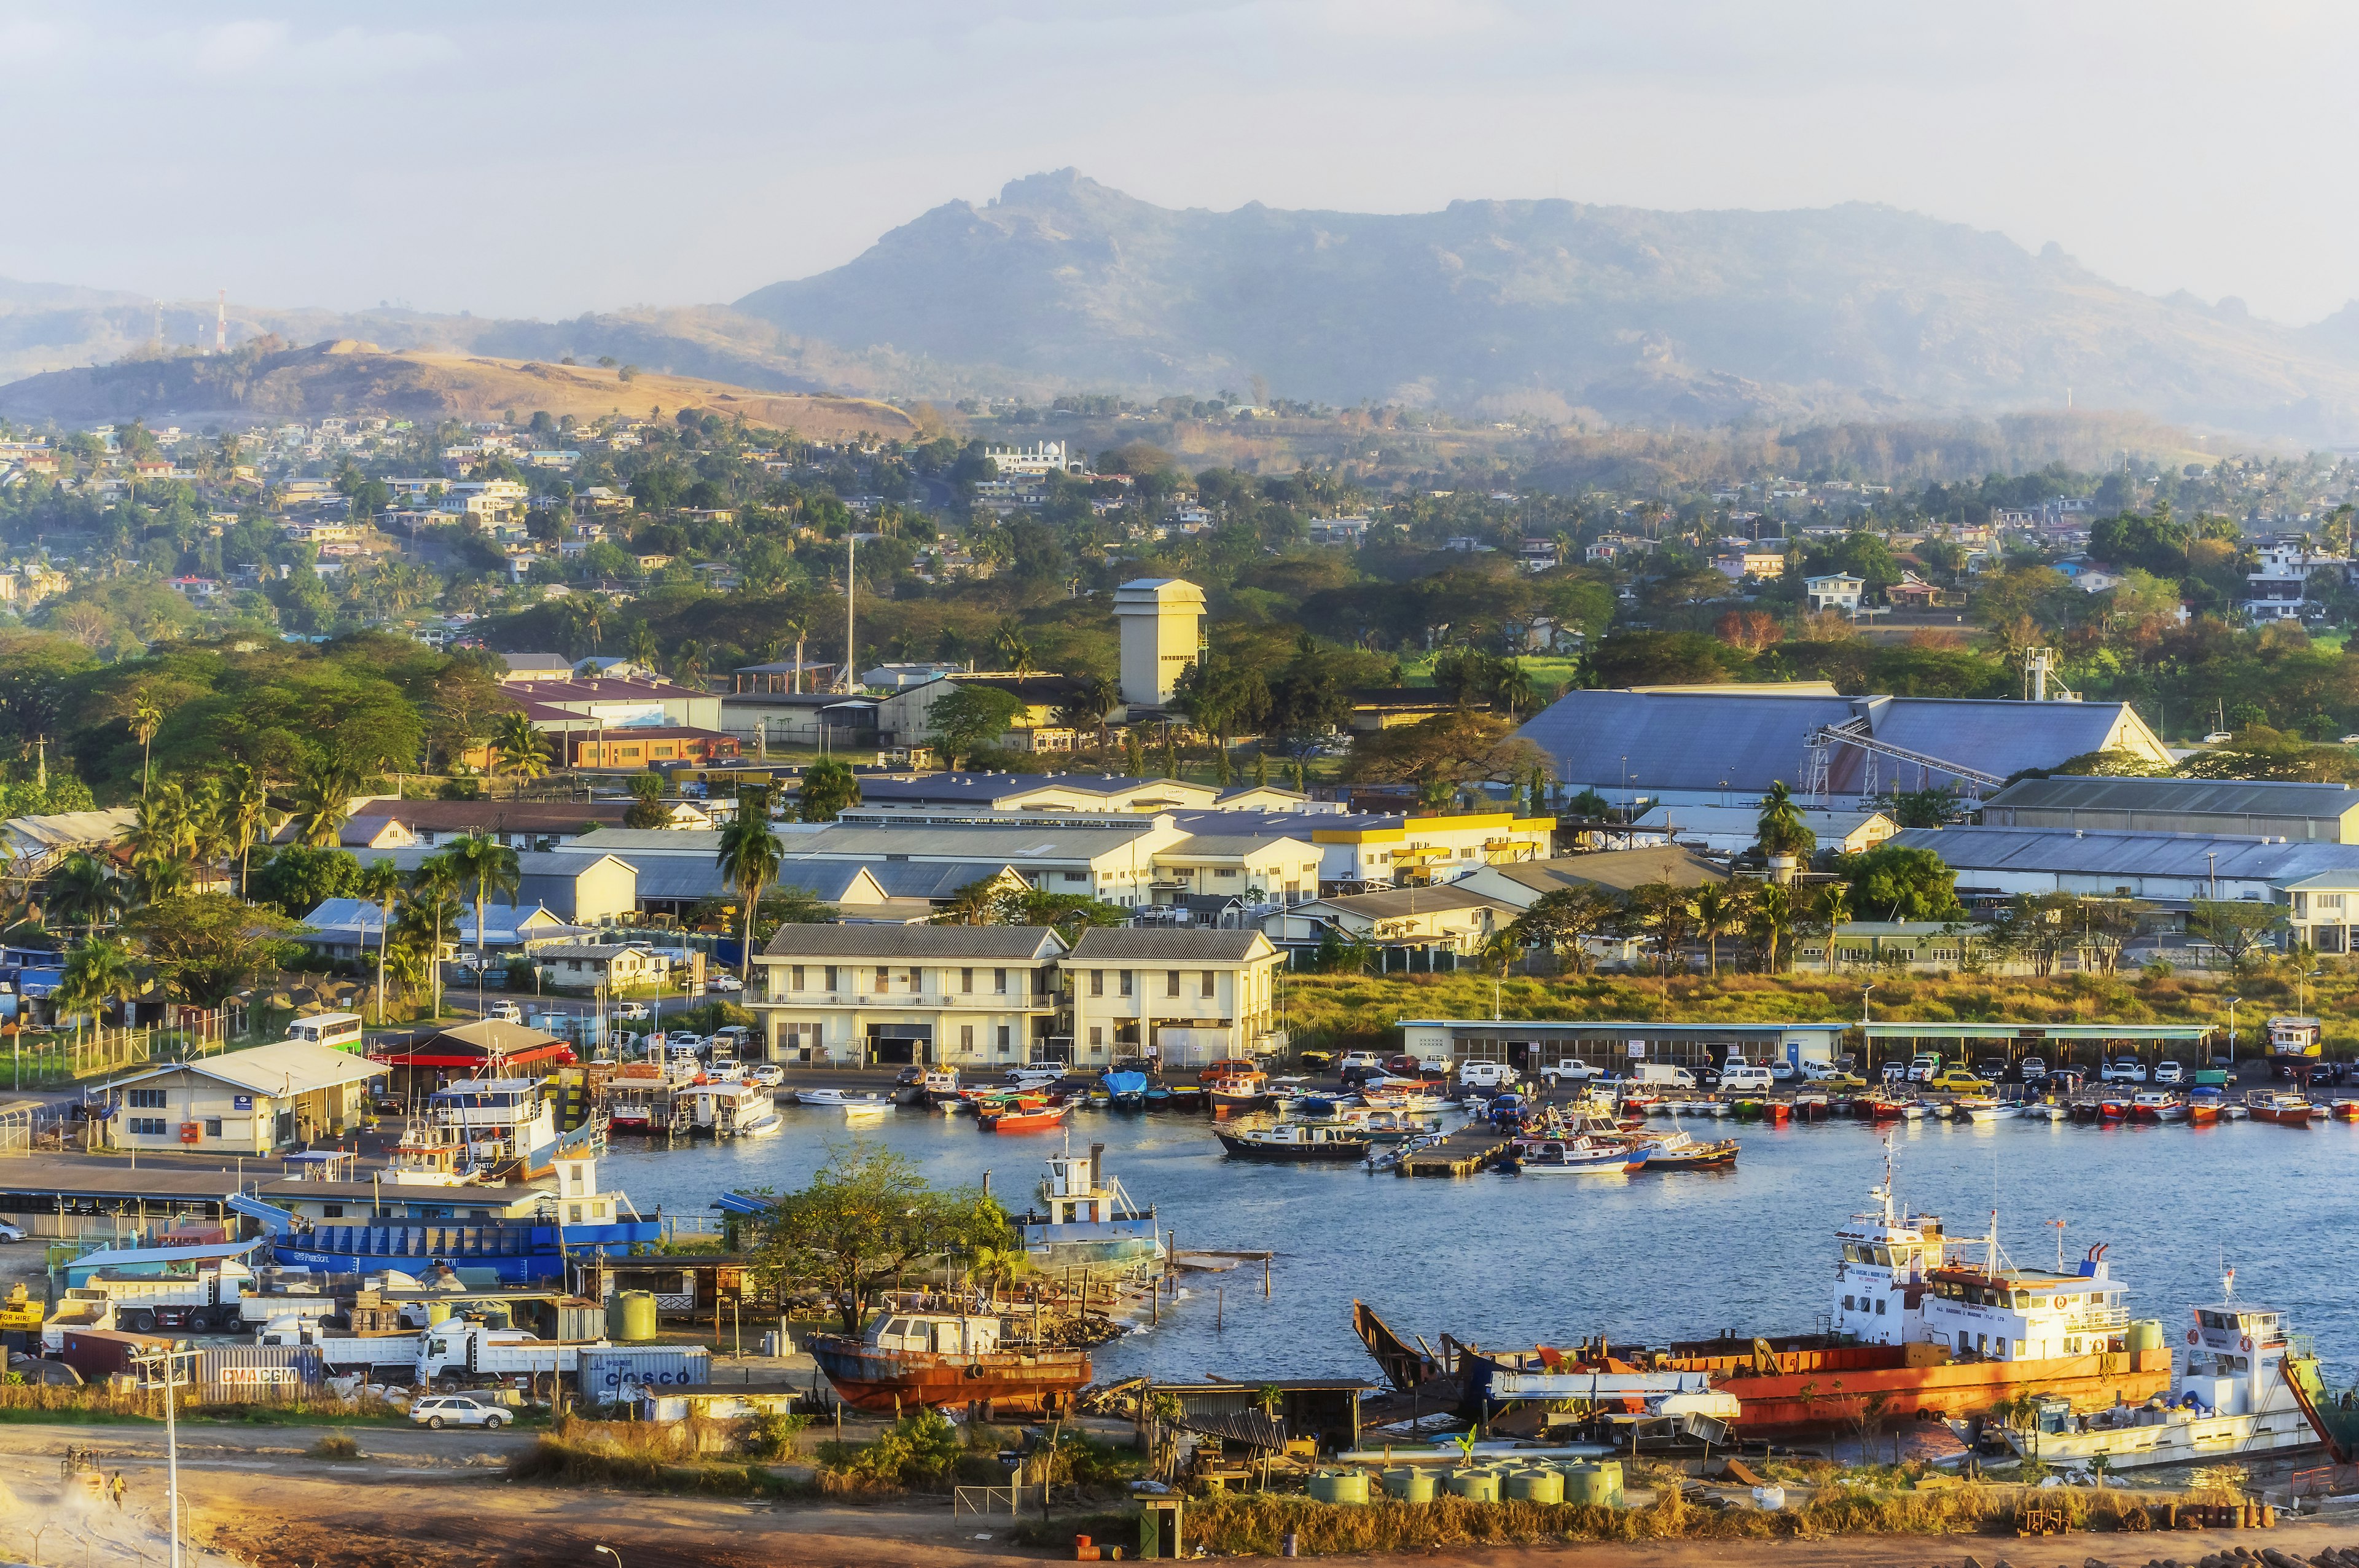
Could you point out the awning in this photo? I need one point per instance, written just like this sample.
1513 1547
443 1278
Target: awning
556 1053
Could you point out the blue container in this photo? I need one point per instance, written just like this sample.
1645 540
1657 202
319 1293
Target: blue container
614 1377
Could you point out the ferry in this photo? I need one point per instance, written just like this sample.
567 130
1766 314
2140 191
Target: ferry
1090 1223
908 1359
2239 1397
506 1127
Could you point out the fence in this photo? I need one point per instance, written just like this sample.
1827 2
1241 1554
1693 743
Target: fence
54 1060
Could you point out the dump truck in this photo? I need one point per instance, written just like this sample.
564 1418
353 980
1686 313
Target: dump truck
204 1302
456 1353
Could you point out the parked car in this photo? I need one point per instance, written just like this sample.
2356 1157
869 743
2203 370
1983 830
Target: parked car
1894 1073
910 1076
2322 1074
1785 1072
439 1411
1314 1061
1707 1077
633 1011
1748 1076
723 983
2031 1069
1571 1070
2170 1073
2122 1070
506 1011
2064 1080
1958 1081
1486 1075
1923 1067
11 1233
1361 1065
1023 1078
1842 1080
1997 1069
766 1074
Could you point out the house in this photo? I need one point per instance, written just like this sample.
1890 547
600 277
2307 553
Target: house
1838 591
1412 919
1921 946
615 966
1338 530
646 745
1763 561
256 1101
978 997
353 928
1609 870
1182 998
582 889
1037 725
1912 592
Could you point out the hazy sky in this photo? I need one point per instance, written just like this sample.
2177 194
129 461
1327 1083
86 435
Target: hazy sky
517 158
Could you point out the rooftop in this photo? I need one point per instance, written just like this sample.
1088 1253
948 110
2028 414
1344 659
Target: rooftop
2221 797
1618 869
1396 902
1108 945
2239 858
1007 943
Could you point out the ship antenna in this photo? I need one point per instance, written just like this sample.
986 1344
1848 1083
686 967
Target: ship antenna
2058 1226
1991 1268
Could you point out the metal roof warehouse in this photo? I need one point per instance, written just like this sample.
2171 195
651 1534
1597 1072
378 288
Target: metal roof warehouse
1530 1042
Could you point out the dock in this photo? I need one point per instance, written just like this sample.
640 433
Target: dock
1471 1148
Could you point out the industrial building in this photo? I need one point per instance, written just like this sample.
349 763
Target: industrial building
1726 745
1731 830
1530 1044
2169 870
2304 813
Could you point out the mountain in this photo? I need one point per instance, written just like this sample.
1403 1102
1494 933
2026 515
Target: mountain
348 377
1856 312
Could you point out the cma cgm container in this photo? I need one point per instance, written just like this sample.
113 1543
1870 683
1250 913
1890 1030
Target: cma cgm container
99 1353
614 1377
236 1374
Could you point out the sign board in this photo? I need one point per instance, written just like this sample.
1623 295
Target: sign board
240 1102
1637 1048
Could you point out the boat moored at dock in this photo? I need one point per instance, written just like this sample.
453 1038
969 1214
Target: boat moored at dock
908 1359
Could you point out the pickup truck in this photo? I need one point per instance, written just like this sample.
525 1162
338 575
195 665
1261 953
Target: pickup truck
1571 1070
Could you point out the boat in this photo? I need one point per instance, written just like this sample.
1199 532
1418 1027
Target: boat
1126 1091
912 1359
506 1127
2241 1394
1883 1108
1294 1142
2112 1109
1921 1322
2202 1112
1385 1126
575 1220
1237 1092
1977 1109
719 1109
1680 1153
1186 1096
2156 1106
1011 1116
2042 1110
761 1124
1087 1223
1155 1096
866 1110
2284 1107
941 1085
1579 1157
820 1096
2345 1110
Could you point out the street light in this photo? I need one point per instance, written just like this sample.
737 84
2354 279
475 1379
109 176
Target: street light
2232 1001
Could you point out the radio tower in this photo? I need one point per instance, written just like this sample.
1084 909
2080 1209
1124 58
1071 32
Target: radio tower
221 322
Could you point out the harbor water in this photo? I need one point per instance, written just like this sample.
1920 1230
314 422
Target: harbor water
1500 1261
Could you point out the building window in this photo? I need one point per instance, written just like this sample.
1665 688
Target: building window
147 1100
1207 981
212 1127
1170 982
831 976
1003 1040
332 1211
884 979
1126 982
966 1037
966 980
795 977
1097 1036
147 1126
1097 982
999 982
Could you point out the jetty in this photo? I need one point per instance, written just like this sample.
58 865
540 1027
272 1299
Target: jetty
1474 1147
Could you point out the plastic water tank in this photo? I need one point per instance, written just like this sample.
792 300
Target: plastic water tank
1346 1487
2146 1334
1598 1485
436 1312
1538 1485
1475 1485
1411 1484
631 1317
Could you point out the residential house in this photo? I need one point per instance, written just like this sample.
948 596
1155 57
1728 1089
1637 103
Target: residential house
1427 920
615 966
1837 591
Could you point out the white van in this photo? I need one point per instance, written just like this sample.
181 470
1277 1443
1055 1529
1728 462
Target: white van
1662 1076
1746 1075
1486 1075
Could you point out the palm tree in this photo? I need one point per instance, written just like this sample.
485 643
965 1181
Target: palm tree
97 972
1834 908
1719 911
146 719
434 895
1514 691
519 750
491 867
380 882
799 631
1781 832
162 841
687 669
1769 917
83 891
644 652
246 815
323 798
976 903
749 857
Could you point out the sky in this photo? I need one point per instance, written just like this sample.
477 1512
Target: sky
523 158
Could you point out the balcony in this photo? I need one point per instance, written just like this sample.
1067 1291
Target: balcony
917 1001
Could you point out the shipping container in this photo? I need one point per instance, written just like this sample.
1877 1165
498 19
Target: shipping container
98 1353
238 1373
613 1377
578 1320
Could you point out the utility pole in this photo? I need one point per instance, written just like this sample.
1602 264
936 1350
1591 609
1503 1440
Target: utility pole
850 587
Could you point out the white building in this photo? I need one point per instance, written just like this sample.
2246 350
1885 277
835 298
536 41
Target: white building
1840 591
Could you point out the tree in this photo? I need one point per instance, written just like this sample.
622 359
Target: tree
1030 906
1092 698
97 972
519 750
976 903
1892 882
1719 911
1834 910
646 802
1781 830
749 856
433 902
146 719
867 1215
248 816
828 786
1446 750
2239 928
1665 913
1564 919
1929 807
83 890
294 877
1768 921
487 868
323 797
380 882
970 716
207 947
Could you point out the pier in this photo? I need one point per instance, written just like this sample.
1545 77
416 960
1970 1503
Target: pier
1474 1147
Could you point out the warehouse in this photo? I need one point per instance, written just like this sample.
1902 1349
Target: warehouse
2169 870
1727 744
2304 813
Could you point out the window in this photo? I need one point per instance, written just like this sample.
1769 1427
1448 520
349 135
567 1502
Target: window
1126 982
1170 982
884 979
831 976
1077 876
147 1126
2328 900
1225 872
212 1127
966 1037
1847 1306
795 977
1206 978
966 981
999 982
1097 982
1097 1036
1879 1306
1003 1040
147 1100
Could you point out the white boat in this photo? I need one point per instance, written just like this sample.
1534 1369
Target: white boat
762 1125
1579 1157
2235 1399
1980 1110
2040 1110
866 1109
1722 1109
820 1096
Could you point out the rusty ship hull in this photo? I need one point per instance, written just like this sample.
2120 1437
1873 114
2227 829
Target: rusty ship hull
888 1380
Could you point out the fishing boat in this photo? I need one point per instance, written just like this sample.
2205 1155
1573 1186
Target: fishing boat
2203 1111
2042 1110
1384 1126
2345 1110
1680 1153
506 1127
941 1085
825 1096
1294 1142
2158 1106
1578 1157
2284 1107
1087 1222
632 1095
1976 1108
865 1112
1186 1096
1012 1115
1126 1091
1883 1107
1920 1321
909 1359
2242 1393
2112 1109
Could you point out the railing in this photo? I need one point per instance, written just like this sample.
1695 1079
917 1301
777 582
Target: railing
2098 1320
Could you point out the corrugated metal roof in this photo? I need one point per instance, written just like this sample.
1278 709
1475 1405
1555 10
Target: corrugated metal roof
1618 870
933 879
1414 901
1104 945
983 842
2237 798
1223 846
1736 740
282 1067
2233 856
920 941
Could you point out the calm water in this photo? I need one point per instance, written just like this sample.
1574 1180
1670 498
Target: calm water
1500 1261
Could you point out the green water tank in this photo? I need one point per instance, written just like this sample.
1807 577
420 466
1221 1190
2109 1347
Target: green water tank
1475 1485
2146 1334
1598 1485
1411 1484
631 1317
1349 1487
1537 1485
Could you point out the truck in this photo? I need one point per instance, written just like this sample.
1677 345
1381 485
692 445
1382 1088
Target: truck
456 1353
204 1302
1571 1070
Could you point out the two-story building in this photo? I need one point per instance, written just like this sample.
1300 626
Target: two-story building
1838 591
963 996
1181 998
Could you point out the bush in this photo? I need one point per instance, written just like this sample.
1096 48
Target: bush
337 1445
918 1450
771 1433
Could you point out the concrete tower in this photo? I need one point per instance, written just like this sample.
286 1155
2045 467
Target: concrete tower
1162 631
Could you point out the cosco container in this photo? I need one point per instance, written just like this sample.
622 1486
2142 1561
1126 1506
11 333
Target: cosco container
611 1376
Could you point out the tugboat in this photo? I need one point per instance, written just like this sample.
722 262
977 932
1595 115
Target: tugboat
908 1359
1091 1224
2242 1395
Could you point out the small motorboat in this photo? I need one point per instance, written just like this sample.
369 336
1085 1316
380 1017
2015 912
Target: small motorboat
818 1097
761 1125
1155 1096
1777 1112
2345 1110
1184 1096
1684 1153
2112 1110
1881 1109
866 1109
1979 1110
1126 1091
2156 1106
1580 1157
1294 1142
2203 1111
2042 1110
1014 1117
942 1084
2284 1107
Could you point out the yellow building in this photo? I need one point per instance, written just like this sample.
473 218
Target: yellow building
1437 848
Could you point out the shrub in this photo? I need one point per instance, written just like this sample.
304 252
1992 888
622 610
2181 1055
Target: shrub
771 1433
337 1445
918 1450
